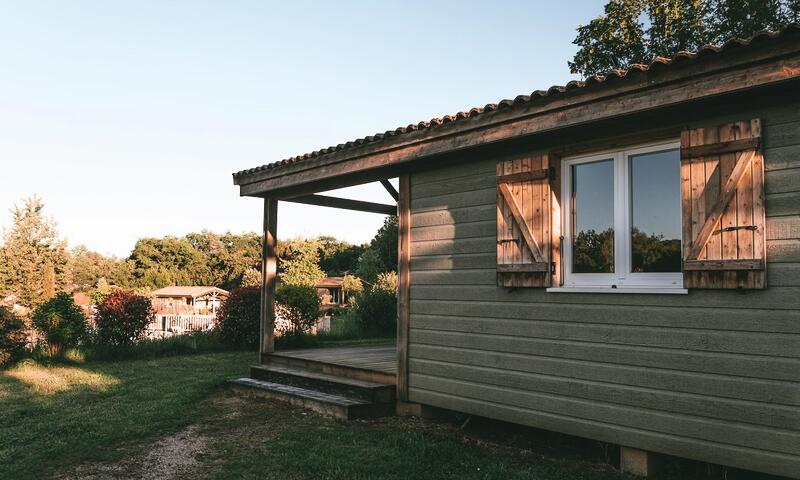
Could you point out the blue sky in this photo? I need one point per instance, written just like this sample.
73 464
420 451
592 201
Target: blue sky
128 118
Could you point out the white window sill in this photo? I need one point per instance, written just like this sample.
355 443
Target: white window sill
658 290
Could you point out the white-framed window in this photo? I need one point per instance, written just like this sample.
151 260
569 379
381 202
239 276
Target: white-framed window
622 220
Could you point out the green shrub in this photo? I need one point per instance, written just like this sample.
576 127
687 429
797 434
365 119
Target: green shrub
122 318
376 308
12 336
61 323
238 320
299 304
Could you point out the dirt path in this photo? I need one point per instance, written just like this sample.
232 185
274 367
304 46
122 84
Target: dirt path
172 457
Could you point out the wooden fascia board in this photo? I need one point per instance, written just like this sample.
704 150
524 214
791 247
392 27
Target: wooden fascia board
573 109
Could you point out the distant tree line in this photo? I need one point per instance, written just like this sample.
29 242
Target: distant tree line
35 262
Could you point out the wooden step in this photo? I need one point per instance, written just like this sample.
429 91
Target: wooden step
347 387
325 403
329 368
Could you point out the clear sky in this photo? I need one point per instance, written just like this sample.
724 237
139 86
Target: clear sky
128 118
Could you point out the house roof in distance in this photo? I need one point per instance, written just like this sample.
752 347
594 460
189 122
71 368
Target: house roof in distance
193 292
522 101
329 282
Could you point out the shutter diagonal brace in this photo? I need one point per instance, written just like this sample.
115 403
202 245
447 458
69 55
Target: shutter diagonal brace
719 208
516 212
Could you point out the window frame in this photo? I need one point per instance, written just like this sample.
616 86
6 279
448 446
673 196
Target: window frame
622 277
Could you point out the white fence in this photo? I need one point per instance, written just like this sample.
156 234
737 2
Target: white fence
182 323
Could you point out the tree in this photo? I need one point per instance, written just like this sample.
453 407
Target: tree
89 269
385 244
338 257
369 266
302 266
229 255
33 259
636 31
251 278
61 322
168 261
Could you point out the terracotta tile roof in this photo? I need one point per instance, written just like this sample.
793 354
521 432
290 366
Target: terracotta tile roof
616 74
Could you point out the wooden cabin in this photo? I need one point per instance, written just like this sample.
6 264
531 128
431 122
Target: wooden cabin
616 259
196 300
331 291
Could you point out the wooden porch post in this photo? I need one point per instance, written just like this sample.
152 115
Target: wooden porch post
403 284
269 271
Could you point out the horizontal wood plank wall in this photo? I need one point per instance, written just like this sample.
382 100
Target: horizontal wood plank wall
713 375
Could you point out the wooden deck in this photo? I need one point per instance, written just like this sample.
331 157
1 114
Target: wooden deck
377 358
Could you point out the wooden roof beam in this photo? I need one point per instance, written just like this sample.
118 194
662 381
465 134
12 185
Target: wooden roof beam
344 203
390 188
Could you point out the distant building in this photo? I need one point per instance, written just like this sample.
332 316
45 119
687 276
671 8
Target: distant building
330 290
202 300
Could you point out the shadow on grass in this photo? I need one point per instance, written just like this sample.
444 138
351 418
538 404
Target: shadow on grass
56 415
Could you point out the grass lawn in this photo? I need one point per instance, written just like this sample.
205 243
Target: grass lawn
170 418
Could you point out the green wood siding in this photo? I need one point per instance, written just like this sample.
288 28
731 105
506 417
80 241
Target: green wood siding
713 375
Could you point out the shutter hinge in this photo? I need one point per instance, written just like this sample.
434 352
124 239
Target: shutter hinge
553 268
551 173
506 240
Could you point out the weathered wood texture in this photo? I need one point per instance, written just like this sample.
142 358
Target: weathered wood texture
269 275
722 199
713 375
523 222
403 284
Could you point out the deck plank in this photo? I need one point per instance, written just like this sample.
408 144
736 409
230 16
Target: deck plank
381 358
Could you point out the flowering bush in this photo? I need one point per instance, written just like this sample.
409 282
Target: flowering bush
122 318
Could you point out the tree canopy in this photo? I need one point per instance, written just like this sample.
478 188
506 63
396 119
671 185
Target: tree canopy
33 256
636 31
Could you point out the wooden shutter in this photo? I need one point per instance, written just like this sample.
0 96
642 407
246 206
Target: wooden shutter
722 190
524 222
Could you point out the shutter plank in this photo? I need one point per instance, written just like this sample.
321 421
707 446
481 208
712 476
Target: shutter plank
555 221
501 222
759 209
525 197
712 191
509 248
729 238
545 219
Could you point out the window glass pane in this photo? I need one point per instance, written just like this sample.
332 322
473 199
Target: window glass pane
593 217
656 212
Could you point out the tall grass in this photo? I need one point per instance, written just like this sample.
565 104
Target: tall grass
197 342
